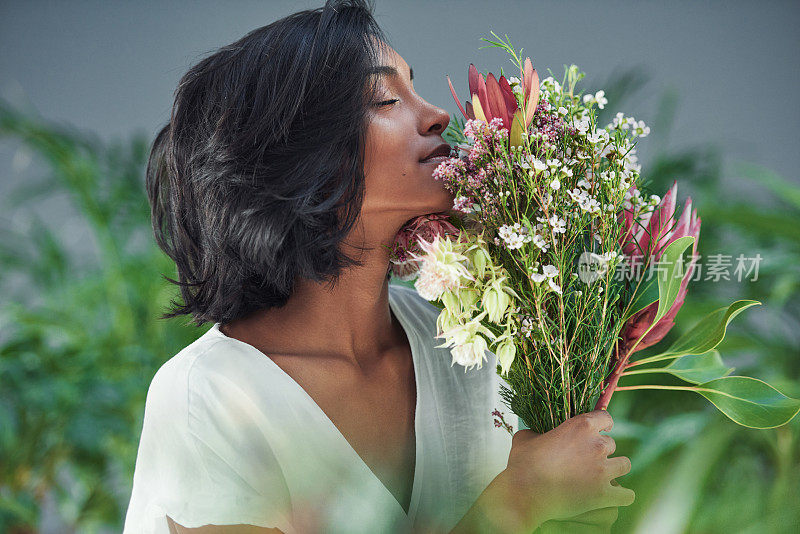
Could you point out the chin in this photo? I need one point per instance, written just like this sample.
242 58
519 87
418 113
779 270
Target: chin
441 202
433 197
447 203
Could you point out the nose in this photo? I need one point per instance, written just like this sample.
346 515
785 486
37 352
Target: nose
436 119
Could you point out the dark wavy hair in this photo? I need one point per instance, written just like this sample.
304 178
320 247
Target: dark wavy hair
259 174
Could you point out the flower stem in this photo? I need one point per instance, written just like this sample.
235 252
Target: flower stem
652 386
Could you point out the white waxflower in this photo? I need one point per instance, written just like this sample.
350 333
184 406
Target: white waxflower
528 325
514 235
515 241
562 110
600 98
550 271
537 277
582 125
621 121
600 136
639 129
555 287
539 165
550 84
597 98
608 176
539 241
553 163
577 195
559 225
590 204
555 183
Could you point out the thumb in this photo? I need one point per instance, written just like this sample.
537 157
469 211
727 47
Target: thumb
523 434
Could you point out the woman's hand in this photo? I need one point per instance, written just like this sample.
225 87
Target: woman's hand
595 522
565 472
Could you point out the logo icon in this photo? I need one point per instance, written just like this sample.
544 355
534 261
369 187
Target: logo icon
591 266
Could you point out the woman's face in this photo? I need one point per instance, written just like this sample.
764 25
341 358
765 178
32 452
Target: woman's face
403 129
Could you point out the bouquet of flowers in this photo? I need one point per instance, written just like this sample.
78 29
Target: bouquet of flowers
554 260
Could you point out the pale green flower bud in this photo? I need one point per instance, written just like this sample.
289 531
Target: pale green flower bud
468 297
450 301
446 321
495 302
491 303
479 260
505 353
503 298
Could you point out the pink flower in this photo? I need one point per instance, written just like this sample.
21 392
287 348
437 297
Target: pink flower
492 98
426 227
646 238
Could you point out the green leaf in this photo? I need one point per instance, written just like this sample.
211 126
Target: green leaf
750 402
669 282
645 296
705 335
699 368
694 368
665 288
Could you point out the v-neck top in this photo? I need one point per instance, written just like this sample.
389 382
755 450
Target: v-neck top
228 437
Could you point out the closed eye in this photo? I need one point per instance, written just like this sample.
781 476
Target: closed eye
387 102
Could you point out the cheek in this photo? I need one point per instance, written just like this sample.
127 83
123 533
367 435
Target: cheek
394 177
390 152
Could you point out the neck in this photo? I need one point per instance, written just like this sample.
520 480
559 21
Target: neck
350 319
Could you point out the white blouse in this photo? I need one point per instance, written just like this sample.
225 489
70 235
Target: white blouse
229 438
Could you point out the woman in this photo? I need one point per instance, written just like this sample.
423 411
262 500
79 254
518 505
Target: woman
318 401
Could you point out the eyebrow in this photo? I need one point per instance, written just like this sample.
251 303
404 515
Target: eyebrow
391 71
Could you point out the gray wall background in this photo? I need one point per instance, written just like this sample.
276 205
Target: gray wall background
111 66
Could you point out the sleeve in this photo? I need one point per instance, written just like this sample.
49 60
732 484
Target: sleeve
203 458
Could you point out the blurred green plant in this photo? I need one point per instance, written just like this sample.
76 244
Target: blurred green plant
79 335
693 470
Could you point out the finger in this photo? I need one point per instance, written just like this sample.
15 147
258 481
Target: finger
619 466
609 445
619 496
521 435
599 517
571 527
601 420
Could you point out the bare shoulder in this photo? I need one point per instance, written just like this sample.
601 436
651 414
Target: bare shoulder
175 528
